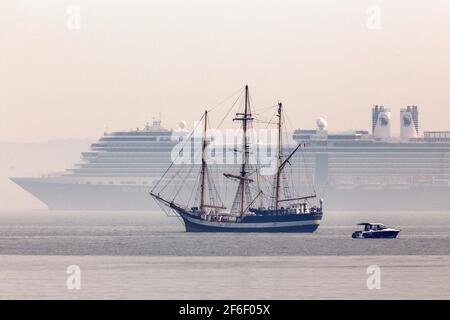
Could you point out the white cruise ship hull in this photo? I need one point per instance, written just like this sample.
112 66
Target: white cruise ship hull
75 196
61 194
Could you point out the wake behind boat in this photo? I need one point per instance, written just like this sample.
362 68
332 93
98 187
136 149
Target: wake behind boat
280 208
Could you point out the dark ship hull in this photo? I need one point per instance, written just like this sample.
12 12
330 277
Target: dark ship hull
379 235
293 223
382 235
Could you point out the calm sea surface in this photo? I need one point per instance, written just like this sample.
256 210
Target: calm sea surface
148 255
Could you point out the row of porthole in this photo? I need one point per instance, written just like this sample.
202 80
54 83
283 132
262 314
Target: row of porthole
122 182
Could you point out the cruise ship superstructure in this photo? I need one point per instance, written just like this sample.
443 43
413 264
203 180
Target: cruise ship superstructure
353 170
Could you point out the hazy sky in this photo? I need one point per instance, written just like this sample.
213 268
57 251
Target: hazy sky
131 60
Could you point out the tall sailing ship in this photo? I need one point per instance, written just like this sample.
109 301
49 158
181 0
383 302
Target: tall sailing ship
281 213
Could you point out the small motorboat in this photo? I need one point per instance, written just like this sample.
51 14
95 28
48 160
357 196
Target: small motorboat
375 230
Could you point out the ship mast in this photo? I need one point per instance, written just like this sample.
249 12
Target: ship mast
245 144
277 185
282 163
203 171
243 178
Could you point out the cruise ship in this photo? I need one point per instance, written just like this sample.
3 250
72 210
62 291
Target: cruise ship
357 170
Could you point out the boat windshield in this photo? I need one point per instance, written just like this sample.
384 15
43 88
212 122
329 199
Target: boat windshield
374 227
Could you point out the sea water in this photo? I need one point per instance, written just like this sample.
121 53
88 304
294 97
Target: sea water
147 255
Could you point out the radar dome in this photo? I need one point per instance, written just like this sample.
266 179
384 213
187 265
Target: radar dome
181 132
322 124
182 124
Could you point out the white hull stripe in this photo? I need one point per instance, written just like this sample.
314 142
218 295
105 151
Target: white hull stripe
252 225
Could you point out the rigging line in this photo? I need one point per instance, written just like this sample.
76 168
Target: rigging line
182 179
261 118
214 195
177 191
175 175
303 164
196 202
265 182
285 125
262 110
211 185
226 99
215 168
302 155
195 188
168 210
229 110
168 180
188 139
218 194
250 100
271 118
289 184
290 124
267 122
